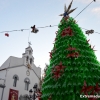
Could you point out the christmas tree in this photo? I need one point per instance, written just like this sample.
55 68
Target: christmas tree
73 69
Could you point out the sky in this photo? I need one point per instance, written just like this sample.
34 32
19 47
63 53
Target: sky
22 14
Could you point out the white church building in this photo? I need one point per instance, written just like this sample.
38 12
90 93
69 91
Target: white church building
18 76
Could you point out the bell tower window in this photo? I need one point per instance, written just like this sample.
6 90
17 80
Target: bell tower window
31 61
30 52
27 58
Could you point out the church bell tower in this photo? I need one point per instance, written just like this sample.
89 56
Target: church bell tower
28 56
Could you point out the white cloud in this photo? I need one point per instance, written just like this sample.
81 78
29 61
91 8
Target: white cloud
96 11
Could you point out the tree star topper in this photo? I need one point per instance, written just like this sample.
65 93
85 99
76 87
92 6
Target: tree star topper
67 11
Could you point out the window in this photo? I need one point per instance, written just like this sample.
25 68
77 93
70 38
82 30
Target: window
31 61
27 58
27 82
26 86
30 52
15 82
15 77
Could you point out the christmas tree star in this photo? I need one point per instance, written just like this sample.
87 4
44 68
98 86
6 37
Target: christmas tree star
67 11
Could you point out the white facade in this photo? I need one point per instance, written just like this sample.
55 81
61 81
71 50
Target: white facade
19 66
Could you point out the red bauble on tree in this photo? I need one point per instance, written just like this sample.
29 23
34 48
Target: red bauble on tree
67 31
61 67
58 70
86 89
57 74
71 48
93 90
76 54
96 89
63 34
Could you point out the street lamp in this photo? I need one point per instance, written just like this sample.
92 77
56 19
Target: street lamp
31 94
35 89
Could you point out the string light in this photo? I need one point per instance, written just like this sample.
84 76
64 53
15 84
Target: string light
40 27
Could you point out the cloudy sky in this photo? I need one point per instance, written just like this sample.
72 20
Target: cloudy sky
22 14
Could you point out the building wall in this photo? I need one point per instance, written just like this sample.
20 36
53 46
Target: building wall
37 69
21 72
15 61
5 64
2 76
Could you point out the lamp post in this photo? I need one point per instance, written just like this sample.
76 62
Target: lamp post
32 95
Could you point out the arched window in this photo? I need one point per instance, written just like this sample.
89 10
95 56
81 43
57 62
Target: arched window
15 77
31 61
27 82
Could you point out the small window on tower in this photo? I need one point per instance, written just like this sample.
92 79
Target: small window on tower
27 58
31 61
30 52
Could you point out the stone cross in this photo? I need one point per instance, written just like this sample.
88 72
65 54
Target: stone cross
29 43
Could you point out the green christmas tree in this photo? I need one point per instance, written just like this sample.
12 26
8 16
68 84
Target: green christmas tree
74 69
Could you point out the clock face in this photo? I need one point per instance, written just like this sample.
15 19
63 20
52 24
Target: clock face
27 73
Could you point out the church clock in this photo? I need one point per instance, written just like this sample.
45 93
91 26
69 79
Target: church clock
27 73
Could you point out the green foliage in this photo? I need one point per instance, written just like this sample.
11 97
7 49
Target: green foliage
77 70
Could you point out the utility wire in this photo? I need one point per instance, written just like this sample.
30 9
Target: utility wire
83 9
29 35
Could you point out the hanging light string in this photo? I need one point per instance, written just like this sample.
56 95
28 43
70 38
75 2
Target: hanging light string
52 25
41 27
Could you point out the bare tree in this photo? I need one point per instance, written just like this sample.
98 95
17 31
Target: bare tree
43 75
